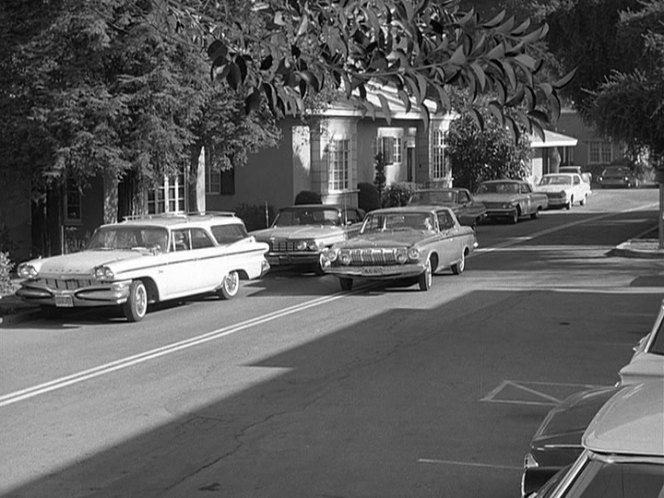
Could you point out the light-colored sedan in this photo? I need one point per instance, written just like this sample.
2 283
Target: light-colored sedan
648 359
510 199
407 244
564 189
148 260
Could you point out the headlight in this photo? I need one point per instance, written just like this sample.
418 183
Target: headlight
103 273
301 245
508 205
402 256
330 255
413 253
312 245
344 257
27 271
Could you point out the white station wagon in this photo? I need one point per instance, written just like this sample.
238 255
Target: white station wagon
147 260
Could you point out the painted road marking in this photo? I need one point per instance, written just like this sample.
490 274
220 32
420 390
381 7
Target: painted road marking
533 393
129 361
469 464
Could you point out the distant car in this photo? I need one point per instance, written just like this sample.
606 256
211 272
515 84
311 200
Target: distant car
564 189
405 244
557 441
647 362
510 199
467 210
147 260
618 176
585 176
623 449
300 233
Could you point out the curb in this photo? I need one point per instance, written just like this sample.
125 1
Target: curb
638 248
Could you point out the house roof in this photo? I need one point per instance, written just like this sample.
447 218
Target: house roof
551 139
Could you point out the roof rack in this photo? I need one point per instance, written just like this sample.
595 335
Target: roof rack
178 214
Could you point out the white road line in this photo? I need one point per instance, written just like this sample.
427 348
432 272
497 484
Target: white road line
469 464
129 361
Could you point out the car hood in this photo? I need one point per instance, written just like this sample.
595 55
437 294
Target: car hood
552 188
82 262
387 239
643 367
297 232
495 197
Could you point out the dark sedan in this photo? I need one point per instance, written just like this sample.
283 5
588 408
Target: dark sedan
467 210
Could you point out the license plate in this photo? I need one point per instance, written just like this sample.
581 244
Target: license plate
373 270
64 301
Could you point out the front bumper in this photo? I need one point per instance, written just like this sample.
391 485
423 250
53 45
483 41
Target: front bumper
558 201
104 294
292 258
387 272
500 212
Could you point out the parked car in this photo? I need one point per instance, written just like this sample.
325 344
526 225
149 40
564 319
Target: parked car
585 175
564 189
618 176
300 233
147 260
557 441
510 199
460 200
407 244
623 449
647 362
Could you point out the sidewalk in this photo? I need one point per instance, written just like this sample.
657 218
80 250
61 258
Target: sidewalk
14 310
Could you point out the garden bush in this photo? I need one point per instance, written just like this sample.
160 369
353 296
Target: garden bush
367 197
254 216
397 194
6 267
308 197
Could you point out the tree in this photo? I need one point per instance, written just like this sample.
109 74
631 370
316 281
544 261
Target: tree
484 154
294 48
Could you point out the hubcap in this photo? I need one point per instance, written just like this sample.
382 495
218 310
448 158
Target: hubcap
231 282
141 300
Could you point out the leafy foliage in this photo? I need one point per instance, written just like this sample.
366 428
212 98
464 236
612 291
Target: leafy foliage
368 197
484 154
397 194
308 197
293 48
6 267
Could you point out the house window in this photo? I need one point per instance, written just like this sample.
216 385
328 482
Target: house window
168 197
227 179
339 167
600 152
391 148
72 202
438 154
212 179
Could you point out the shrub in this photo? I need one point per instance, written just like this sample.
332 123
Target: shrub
254 216
308 197
6 266
367 197
397 194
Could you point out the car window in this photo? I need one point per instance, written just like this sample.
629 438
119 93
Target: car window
227 234
353 216
464 197
599 479
577 180
125 237
445 221
200 239
555 180
657 344
525 188
181 240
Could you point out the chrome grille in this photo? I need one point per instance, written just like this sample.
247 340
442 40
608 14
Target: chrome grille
368 257
283 245
66 284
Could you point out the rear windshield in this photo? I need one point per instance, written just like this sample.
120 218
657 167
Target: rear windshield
227 234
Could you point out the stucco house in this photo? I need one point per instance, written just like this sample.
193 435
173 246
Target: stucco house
329 152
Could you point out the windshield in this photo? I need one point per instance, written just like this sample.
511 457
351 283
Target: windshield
556 180
433 197
398 221
498 188
129 237
657 345
307 216
615 171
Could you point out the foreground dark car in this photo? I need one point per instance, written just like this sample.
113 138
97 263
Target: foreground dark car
618 176
557 441
404 244
468 211
299 233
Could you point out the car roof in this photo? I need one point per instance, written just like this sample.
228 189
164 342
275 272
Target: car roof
412 209
175 220
316 206
560 174
503 181
630 423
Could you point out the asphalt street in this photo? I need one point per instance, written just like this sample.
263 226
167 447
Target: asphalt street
298 389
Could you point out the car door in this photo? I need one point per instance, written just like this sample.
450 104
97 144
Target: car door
527 194
448 245
191 263
353 221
